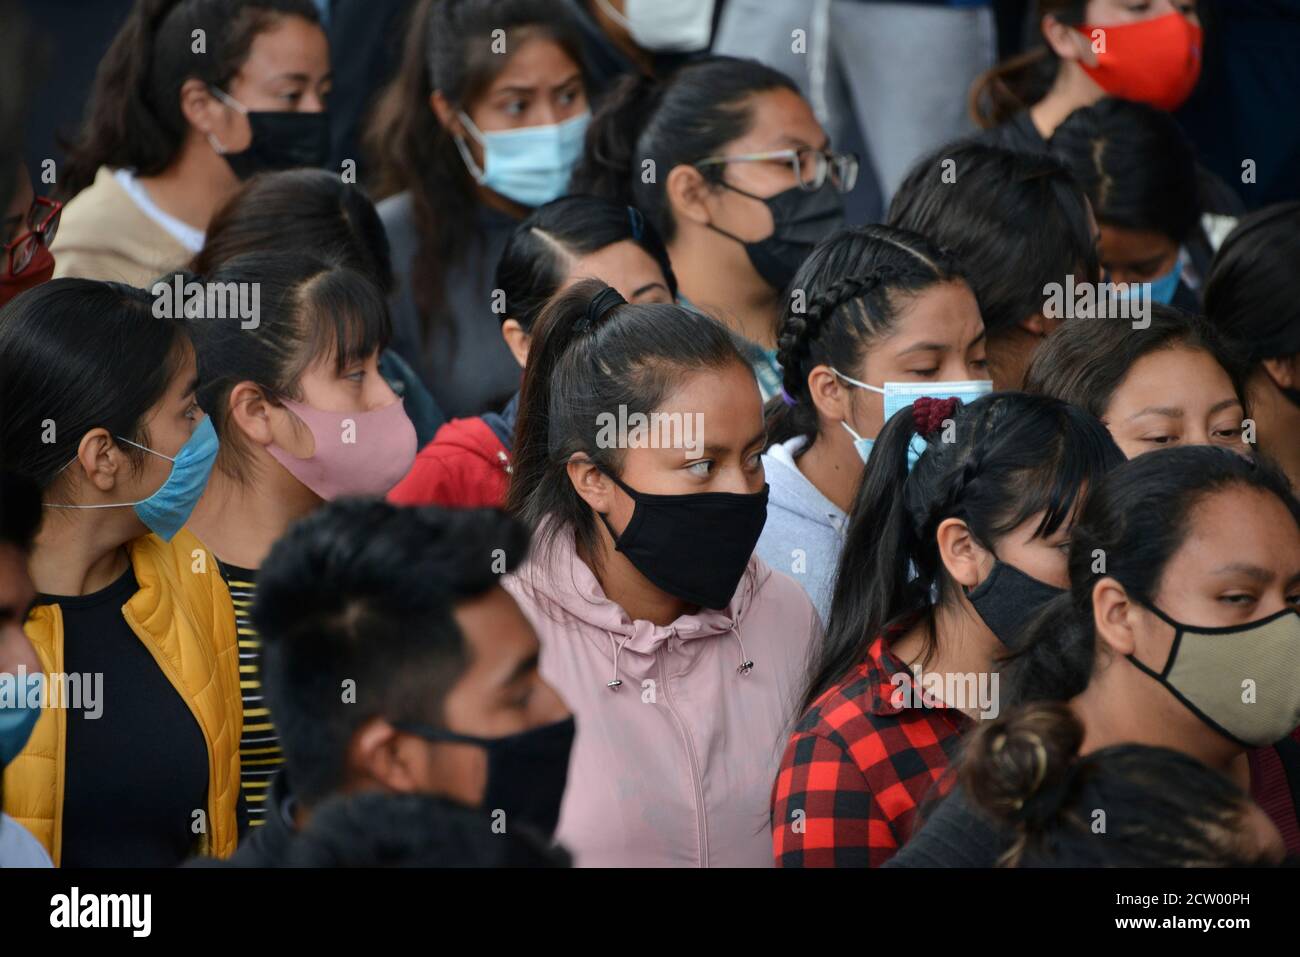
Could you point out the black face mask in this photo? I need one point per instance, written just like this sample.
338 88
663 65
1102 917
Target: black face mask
282 141
1008 600
800 219
695 547
526 772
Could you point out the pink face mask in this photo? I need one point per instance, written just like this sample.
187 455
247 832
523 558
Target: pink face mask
357 453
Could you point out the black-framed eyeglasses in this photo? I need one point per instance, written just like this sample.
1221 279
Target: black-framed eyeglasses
42 225
811 166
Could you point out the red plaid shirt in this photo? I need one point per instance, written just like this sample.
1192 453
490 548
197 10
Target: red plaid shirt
857 766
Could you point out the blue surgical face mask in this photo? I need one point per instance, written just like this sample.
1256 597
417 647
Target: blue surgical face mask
900 395
169 508
530 165
1163 288
19 713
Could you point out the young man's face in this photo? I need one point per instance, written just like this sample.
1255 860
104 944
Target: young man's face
500 693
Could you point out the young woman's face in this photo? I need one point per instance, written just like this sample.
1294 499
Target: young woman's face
1136 255
287 71
357 388
1175 396
1240 563
1045 558
726 406
628 268
539 85
1104 13
938 336
167 427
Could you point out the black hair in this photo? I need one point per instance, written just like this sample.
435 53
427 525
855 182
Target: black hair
1085 360
20 510
1163 808
300 209
631 359
1254 284
362 591
1017 83
645 126
846 296
1137 517
1006 457
539 253
1017 222
377 829
133 115
1136 164
79 354
449 49
16 86
309 309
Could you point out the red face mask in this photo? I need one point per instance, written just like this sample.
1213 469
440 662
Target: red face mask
39 270
1154 61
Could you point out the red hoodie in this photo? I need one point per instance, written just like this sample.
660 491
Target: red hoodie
465 466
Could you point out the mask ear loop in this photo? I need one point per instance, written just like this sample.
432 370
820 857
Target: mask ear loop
227 100
113 504
860 385
479 173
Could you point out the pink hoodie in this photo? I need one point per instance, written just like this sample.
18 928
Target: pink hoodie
674 768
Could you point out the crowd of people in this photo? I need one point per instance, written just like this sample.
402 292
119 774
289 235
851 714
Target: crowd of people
571 478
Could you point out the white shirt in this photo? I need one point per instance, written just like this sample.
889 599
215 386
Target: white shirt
18 848
186 235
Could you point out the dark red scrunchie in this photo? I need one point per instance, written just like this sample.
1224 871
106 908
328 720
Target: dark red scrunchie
929 414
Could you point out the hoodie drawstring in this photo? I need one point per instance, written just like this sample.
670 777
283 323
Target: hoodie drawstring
618 646
746 666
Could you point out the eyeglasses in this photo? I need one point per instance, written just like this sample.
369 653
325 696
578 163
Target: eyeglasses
42 224
811 167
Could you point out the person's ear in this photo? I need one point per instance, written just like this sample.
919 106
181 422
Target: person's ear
100 460
592 485
250 413
378 753
1038 325
1067 42
1284 371
1115 616
831 397
201 109
963 557
689 194
447 114
516 340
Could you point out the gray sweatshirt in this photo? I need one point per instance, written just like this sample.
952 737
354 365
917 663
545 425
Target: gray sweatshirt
465 364
804 531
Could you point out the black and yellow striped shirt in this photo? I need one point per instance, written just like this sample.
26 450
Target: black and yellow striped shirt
259 747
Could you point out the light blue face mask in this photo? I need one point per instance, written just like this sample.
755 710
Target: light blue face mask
529 165
166 510
19 713
1163 288
900 395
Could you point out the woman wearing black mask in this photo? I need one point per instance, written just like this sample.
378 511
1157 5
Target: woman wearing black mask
638 460
1251 296
191 97
1180 629
731 166
944 563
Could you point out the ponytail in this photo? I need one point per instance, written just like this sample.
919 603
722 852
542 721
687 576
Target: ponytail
1020 770
133 116
1016 84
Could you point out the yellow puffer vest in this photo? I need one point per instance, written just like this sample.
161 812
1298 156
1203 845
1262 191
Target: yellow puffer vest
182 615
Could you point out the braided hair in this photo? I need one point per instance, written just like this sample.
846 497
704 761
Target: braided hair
995 464
843 299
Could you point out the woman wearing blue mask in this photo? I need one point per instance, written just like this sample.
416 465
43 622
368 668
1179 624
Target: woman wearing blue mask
484 122
1139 171
880 317
134 760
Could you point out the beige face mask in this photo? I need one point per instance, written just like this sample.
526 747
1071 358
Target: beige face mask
1243 681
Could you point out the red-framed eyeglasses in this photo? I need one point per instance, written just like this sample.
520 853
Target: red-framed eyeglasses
42 224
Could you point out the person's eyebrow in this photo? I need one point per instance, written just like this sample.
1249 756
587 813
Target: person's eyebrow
299 77
798 143
514 90
716 450
1156 410
928 347
978 339
1242 568
191 387
647 287
569 80
1225 404
524 667
1293 580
